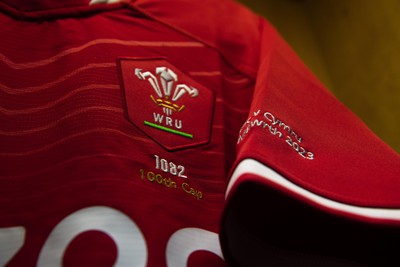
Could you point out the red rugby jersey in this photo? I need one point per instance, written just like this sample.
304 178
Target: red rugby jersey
119 122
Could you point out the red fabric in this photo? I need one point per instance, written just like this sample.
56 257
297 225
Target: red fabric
351 165
36 5
224 25
70 157
66 146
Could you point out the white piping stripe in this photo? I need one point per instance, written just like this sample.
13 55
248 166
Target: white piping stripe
94 2
250 166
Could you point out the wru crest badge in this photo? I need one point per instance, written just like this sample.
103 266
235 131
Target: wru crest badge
164 102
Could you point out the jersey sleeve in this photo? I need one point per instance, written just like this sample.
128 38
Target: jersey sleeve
312 185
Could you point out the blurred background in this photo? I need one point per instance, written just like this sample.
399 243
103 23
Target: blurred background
353 46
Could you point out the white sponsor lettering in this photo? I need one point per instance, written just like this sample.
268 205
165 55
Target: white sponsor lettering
130 242
188 240
11 240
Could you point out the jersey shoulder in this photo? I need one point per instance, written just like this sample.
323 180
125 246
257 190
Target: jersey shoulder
225 25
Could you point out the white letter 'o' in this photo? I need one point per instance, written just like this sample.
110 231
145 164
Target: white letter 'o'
188 240
131 245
